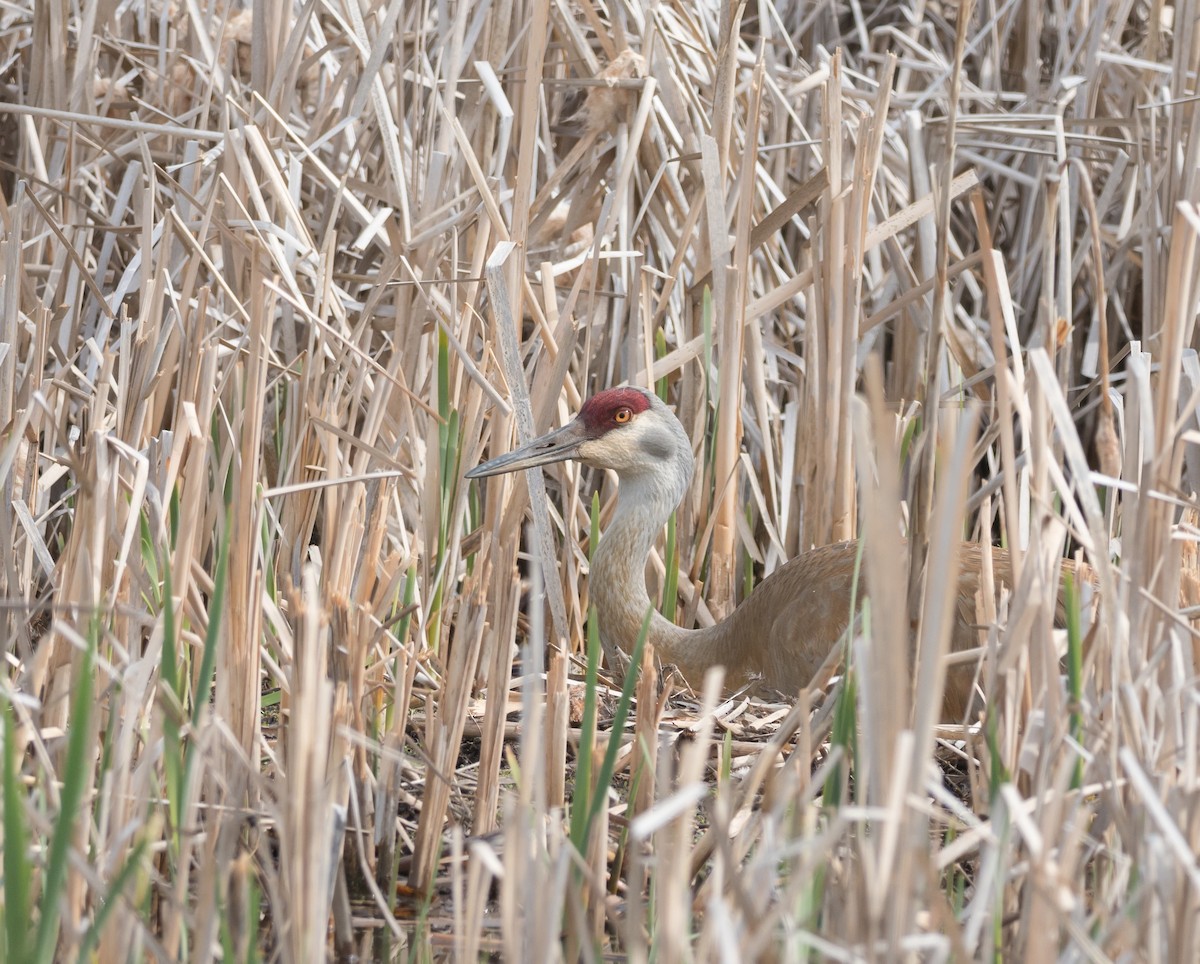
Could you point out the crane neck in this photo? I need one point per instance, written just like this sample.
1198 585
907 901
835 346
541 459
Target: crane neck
618 576
618 579
644 504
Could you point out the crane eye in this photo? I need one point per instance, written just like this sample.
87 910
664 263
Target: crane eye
622 415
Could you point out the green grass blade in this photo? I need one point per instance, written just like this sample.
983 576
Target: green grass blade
660 349
670 599
587 729
216 609
1074 668
580 805
17 871
74 784
169 672
620 715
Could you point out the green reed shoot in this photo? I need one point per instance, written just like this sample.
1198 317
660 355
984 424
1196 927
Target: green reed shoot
76 777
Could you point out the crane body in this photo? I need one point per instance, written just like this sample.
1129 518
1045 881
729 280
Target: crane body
786 628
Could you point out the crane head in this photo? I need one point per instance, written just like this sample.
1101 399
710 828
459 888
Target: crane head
624 429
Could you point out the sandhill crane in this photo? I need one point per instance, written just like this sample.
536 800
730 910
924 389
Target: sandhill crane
785 629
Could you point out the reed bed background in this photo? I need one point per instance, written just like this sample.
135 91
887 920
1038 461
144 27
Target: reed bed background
279 685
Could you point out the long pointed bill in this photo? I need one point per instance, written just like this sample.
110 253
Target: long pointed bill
556 446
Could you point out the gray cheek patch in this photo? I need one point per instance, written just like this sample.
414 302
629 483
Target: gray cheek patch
656 446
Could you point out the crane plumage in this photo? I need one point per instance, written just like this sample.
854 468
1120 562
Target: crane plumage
785 629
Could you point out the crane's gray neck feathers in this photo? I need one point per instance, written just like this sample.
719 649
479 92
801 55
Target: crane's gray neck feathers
618 578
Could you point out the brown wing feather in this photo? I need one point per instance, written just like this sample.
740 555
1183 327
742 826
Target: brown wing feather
789 625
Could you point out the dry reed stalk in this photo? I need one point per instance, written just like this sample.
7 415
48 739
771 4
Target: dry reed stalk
880 662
